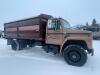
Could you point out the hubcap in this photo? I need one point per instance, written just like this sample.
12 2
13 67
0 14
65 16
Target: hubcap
74 56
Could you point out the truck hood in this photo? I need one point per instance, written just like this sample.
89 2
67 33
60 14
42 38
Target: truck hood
77 31
78 34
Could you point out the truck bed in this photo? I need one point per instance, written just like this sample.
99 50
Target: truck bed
31 28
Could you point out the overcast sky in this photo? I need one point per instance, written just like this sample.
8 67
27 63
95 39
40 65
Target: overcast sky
75 11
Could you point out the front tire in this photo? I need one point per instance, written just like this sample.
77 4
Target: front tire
75 55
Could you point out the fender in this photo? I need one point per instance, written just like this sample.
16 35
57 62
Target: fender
62 45
73 41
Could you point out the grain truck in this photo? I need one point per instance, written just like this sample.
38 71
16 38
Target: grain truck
53 34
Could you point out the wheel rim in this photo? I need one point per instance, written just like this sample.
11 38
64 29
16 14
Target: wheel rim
74 56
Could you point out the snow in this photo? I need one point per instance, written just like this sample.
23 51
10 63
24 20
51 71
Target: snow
34 61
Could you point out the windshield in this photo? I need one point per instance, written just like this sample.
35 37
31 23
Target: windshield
66 24
54 24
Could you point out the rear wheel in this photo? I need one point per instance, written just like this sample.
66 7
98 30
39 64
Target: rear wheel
22 44
18 44
31 43
15 45
75 55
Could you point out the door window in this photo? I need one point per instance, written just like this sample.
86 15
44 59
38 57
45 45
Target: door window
54 24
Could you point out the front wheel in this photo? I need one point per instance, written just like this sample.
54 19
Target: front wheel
75 55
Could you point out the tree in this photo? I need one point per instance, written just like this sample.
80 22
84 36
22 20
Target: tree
94 22
95 25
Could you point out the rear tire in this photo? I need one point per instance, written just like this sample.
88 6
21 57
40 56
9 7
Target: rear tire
18 44
15 45
22 44
31 43
75 55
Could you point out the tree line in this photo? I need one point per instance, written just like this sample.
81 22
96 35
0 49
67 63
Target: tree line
94 26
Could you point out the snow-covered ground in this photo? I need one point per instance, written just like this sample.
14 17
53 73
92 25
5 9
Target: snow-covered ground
34 61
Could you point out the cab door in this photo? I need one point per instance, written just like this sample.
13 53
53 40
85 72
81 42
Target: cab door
54 32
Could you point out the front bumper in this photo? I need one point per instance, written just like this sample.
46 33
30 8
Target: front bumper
91 51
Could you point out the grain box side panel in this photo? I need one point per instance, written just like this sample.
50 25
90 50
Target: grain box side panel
10 30
29 29
32 28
